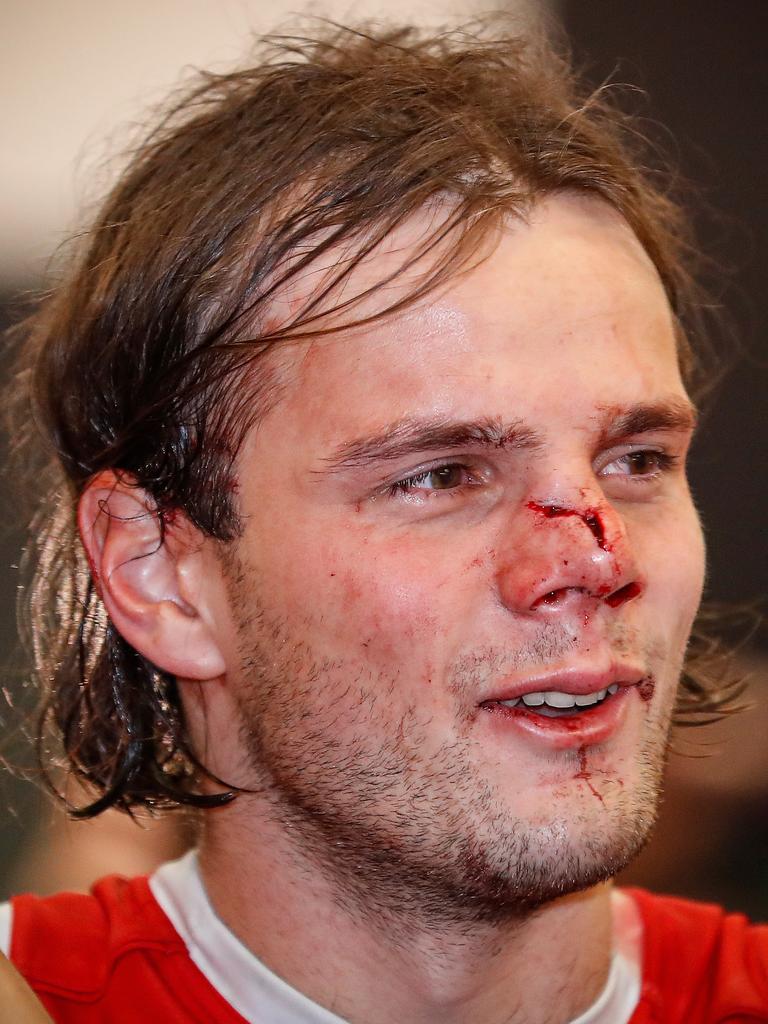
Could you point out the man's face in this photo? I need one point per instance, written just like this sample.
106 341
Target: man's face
447 512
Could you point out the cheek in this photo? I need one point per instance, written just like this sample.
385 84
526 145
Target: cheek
392 605
675 567
395 603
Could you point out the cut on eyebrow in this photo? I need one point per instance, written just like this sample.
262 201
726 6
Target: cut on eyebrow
410 435
676 414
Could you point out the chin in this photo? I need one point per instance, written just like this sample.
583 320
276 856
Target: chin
530 866
466 855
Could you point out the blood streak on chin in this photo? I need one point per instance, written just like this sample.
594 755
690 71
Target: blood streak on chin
584 775
590 517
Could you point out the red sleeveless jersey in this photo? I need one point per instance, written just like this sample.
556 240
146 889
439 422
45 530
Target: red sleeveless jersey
113 957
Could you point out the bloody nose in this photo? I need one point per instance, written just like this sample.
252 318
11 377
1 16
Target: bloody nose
565 555
591 518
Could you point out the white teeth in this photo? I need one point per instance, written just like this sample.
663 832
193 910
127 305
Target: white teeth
533 700
585 699
561 700
556 699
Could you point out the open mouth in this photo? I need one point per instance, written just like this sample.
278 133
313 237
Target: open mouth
560 719
557 703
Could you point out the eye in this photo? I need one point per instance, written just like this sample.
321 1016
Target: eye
644 463
449 477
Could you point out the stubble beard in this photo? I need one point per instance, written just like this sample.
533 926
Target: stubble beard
402 830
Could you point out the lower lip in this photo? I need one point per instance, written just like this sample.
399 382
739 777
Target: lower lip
586 729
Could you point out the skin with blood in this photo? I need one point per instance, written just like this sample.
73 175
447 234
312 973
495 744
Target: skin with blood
594 523
584 775
646 689
170 515
384 799
590 517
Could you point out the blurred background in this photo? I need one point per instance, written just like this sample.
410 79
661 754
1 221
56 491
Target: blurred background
76 78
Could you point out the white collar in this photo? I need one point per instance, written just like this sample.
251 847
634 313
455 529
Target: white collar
259 995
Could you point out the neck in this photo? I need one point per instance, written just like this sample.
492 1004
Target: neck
309 926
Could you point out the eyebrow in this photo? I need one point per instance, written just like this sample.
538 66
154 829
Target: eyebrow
411 435
673 414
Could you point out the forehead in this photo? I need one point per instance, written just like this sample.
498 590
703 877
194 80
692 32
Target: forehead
565 301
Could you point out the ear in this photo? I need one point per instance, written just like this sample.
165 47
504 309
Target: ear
150 574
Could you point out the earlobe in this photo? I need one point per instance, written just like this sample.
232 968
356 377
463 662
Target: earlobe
150 576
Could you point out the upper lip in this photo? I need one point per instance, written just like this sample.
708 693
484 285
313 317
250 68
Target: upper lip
578 681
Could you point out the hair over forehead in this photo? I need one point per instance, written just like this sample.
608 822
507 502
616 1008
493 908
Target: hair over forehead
324 145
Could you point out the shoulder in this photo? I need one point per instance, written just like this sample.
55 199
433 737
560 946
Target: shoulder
103 955
701 963
71 941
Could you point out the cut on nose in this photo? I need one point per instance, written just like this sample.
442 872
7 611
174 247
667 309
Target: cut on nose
568 555
591 518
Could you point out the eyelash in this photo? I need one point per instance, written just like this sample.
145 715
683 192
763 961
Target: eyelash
665 461
410 484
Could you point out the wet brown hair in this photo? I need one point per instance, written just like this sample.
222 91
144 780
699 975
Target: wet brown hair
149 355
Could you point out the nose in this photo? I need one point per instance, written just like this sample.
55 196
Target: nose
563 554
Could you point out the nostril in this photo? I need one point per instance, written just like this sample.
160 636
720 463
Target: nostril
623 594
555 597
